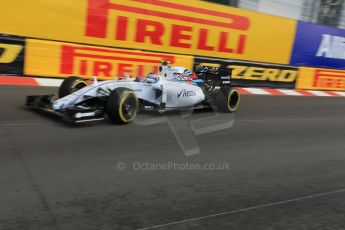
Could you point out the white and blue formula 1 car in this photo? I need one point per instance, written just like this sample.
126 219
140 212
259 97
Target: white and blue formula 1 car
173 88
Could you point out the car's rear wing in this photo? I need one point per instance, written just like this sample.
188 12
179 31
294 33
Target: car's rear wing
219 74
221 71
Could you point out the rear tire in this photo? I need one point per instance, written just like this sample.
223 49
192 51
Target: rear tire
70 85
228 99
122 105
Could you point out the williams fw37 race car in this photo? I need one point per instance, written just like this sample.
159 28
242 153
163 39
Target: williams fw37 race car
173 88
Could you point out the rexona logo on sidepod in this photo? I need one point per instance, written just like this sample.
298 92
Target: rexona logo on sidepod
186 93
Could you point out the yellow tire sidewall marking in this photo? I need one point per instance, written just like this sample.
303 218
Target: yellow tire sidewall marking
229 99
78 82
123 99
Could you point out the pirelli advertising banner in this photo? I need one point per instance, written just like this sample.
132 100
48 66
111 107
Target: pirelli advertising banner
11 55
321 79
60 59
184 27
250 74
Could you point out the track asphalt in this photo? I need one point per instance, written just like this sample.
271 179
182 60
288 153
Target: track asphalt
280 161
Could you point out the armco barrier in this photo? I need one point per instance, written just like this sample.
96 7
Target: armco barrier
250 74
29 81
321 79
61 59
11 55
185 27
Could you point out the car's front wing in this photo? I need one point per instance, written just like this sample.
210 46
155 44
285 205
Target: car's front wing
73 114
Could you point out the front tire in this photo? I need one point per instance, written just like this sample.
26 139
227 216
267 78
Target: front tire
122 105
228 99
70 85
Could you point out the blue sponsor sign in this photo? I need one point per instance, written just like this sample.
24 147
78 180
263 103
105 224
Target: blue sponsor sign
319 46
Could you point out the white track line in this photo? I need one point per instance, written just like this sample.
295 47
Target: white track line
24 124
289 119
245 209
